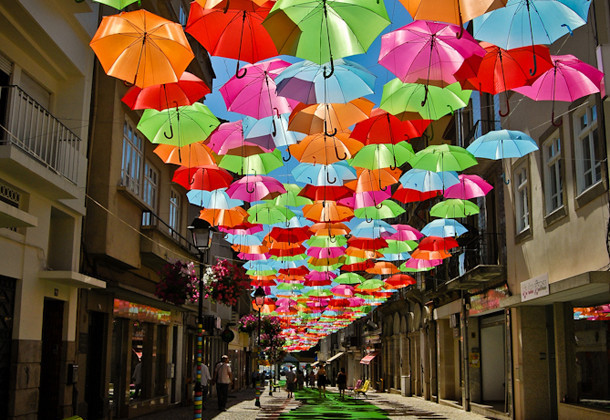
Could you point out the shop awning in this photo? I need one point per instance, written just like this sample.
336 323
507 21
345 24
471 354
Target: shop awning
315 363
336 356
367 359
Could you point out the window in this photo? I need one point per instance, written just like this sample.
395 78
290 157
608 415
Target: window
150 191
553 176
182 15
174 212
521 199
133 155
587 149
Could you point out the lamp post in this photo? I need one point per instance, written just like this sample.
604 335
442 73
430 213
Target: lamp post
202 239
259 300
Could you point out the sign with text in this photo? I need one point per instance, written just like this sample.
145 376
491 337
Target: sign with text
535 287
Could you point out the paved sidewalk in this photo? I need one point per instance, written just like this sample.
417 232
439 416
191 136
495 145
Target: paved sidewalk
240 406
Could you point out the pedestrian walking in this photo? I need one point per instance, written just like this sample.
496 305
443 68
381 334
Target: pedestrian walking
203 383
321 376
291 381
223 377
300 379
342 382
312 379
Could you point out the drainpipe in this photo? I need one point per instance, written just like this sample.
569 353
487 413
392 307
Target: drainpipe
510 400
464 334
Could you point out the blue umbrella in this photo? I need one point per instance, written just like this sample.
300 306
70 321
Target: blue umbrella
266 134
216 199
372 229
395 257
305 82
247 240
444 228
422 180
319 175
501 144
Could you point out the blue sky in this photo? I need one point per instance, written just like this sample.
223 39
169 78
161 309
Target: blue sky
225 68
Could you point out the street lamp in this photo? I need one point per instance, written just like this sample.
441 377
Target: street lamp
259 300
202 239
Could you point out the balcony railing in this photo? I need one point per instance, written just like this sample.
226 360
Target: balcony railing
151 220
28 125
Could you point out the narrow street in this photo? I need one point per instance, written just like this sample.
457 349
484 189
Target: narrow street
307 404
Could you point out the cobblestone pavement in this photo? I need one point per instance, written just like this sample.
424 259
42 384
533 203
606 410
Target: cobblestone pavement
240 406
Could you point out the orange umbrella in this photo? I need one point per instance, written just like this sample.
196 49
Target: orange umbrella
362 253
421 254
227 218
383 267
329 117
231 4
142 48
189 156
327 211
400 280
250 249
374 179
322 149
329 229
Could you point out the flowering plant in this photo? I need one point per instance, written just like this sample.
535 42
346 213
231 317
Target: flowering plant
224 282
178 283
271 325
248 323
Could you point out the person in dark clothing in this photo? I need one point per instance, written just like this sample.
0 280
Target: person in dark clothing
342 382
223 378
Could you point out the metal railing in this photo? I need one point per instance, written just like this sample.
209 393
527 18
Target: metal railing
28 125
151 220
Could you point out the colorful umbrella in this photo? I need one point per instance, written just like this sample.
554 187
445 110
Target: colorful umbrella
399 280
270 131
450 11
405 233
333 174
227 136
428 181
374 179
443 157
323 149
191 155
408 195
444 228
469 186
117 4
376 156
254 187
329 118
382 128
385 210
502 144
435 243
207 178
269 214
327 211
259 164
454 207
229 218
216 199
142 48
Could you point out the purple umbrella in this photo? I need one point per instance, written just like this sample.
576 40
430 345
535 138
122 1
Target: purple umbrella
254 187
470 186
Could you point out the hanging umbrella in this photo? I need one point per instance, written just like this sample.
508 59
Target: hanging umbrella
365 243
270 131
399 280
186 91
305 82
450 11
259 164
567 80
291 197
469 186
327 211
405 100
405 233
191 155
374 179
343 290
383 128
502 144
216 199
227 136
443 157
373 229
117 4
254 187
527 23
207 178
329 118
322 149
269 213
327 29
428 181
326 252
435 243
228 218
233 33
444 228
427 52
329 229
366 199
421 254
454 207
142 48
408 195
325 192
398 247
385 210
333 174
254 94
290 234
327 241
416 264
178 126
376 156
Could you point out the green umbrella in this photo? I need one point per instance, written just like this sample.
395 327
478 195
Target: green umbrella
371 284
319 292
443 157
405 100
269 213
291 197
261 272
289 286
349 278
327 241
330 267
322 30
259 164
290 257
117 4
385 210
350 259
454 207
376 156
178 126
406 269
398 247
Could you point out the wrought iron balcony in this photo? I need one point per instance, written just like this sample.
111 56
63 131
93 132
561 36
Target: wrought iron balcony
33 129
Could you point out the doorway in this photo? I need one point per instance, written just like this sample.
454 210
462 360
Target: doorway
94 388
50 362
7 306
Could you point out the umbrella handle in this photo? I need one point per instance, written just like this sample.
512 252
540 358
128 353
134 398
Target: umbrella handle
328 178
379 206
425 96
274 132
393 167
334 133
226 9
504 179
533 71
556 124
248 190
289 157
332 68
366 219
340 157
332 238
239 75
171 132
505 114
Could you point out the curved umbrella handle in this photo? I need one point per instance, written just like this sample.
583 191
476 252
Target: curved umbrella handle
274 132
393 167
328 178
287 223
332 68
334 133
556 124
171 132
504 179
340 157
248 189
505 114
533 71
239 75
289 157
425 96
459 34
379 206
332 238
367 220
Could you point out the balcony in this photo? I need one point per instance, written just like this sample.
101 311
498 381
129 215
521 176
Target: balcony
477 262
160 243
33 142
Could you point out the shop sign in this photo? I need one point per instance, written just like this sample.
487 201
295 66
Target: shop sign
142 313
488 300
535 288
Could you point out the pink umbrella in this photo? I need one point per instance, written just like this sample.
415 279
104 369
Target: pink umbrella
242 230
343 290
254 187
317 303
320 275
355 301
470 186
245 256
323 252
568 80
417 264
285 302
255 93
367 198
427 52
405 233
227 136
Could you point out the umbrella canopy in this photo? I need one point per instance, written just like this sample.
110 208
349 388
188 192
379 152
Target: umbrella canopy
216 199
269 213
117 4
376 156
254 187
383 128
229 218
469 186
408 195
207 178
329 117
454 207
450 11
385 210
374 179
444 228
502 144
322 149
186 91
270 131
427 52
443 157
435 243
400 280
333 174
327 211
178 126
405 233
305 82
142 48
262 163
227 136
191 155
422 180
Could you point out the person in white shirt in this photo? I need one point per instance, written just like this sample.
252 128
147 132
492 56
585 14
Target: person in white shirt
223 377
205 380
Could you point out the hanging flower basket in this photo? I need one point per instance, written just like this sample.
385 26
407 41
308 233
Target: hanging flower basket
178 283
248 323
224 282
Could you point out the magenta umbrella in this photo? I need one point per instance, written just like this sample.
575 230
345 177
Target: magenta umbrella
320 275
227 136
254 187
355 301
405 233
255 93
343 290
417 264
427 52
568 80
248 257
470 186
249 230
323 252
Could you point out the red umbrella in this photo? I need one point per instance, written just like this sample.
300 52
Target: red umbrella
289 252
186 91
437 243
384 128
233 33
367 243
400 280
294 235
207 178
297 271
408 195
325 192
361 266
